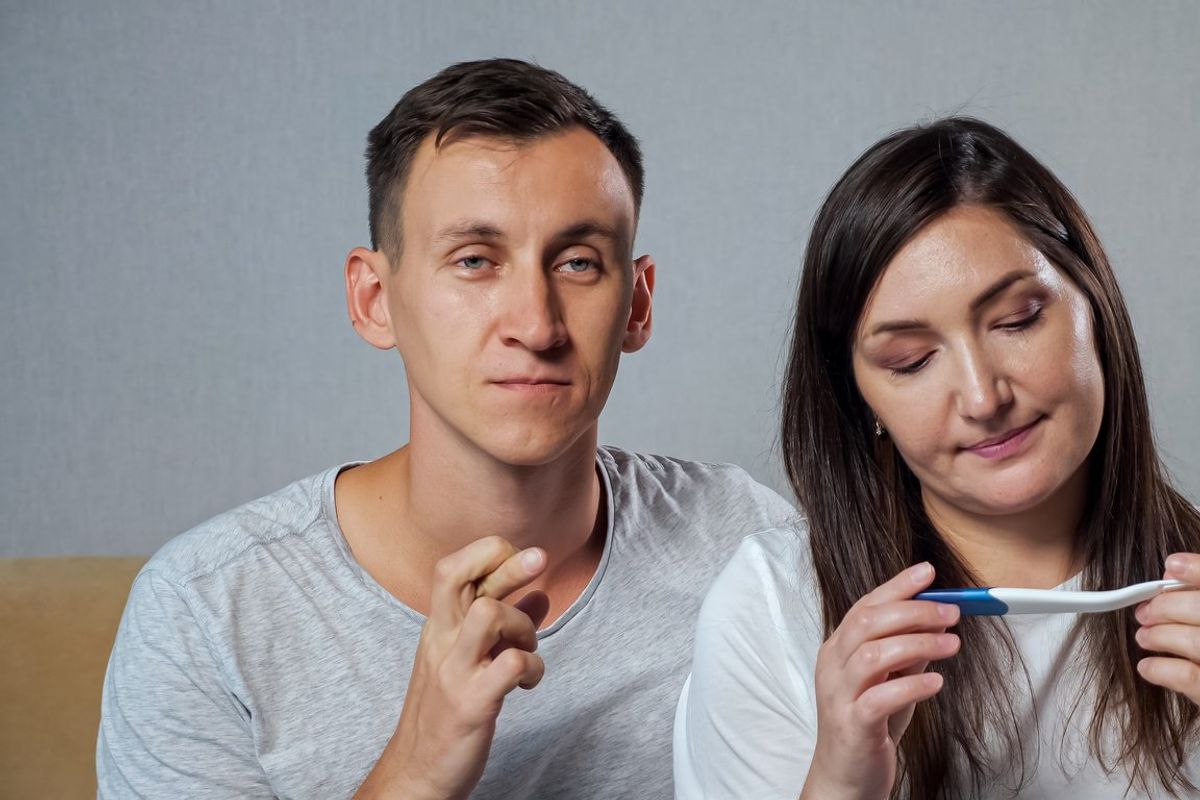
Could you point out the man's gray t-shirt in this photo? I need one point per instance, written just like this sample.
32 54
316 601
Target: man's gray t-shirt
256 658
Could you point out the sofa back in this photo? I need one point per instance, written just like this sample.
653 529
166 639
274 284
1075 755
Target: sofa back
58 618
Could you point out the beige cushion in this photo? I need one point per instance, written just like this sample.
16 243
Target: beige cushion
58 617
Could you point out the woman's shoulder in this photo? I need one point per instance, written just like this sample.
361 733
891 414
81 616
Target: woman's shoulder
768 584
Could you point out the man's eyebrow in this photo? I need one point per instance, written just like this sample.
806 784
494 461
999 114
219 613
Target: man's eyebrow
467 229
986 296
588 228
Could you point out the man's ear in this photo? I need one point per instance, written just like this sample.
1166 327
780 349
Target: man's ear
366 297
641 317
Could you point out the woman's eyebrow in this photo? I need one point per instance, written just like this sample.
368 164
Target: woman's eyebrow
986 296
893 326
989 294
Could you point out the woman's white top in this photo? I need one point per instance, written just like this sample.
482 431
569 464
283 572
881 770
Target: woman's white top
746 723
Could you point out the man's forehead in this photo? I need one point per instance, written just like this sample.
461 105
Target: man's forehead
565 175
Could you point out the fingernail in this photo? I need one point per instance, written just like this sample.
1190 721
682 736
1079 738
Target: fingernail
532 559
1176 563
1139 613
1138 636
921 572
948 612
947 640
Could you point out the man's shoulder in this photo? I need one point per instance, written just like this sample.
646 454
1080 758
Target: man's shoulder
668 470
696 490
269 521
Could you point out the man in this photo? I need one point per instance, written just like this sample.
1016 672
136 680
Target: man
363 631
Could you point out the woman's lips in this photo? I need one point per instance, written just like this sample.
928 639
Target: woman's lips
1006 444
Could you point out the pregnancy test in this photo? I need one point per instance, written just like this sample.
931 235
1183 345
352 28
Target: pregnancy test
997 601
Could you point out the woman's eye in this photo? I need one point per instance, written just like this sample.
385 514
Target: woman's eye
472 263
577 265
909 369
1026 319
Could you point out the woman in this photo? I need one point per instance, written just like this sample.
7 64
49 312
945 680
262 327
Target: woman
964 406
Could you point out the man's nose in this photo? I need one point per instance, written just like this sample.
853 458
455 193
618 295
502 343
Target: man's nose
531 314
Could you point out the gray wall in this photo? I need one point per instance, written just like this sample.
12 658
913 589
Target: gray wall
181 185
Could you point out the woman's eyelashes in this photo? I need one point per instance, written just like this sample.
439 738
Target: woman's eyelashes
911 367
1023 319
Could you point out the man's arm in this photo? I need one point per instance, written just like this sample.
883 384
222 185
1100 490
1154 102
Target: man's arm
474 650
169 725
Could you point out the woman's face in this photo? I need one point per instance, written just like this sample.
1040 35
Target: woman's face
977 355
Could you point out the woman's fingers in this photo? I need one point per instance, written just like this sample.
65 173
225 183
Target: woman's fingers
877 704
874 622
1177 606
903 586
1178 640
874 661
1177 674
1184 567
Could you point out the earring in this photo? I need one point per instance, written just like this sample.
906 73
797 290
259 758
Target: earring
878 427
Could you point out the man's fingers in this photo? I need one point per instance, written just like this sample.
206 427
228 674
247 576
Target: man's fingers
536 606
490 623
456 575
511 669
516 571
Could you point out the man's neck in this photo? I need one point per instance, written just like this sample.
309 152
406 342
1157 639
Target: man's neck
1035 548
404 512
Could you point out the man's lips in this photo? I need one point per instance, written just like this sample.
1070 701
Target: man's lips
537 381
1005 442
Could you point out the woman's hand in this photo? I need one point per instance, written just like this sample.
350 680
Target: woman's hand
870 675
1171 625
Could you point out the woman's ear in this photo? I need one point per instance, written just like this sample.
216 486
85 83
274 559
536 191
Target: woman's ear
641 317
366 297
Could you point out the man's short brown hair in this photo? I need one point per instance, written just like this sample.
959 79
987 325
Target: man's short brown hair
501 97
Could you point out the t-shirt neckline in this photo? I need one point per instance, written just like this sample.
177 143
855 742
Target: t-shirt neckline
365 579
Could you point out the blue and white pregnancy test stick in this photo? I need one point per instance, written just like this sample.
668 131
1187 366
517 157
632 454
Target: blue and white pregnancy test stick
993 602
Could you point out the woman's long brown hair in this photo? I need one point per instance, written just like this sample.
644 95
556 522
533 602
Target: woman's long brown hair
863 504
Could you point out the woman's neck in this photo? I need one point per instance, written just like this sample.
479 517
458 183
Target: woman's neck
1034 548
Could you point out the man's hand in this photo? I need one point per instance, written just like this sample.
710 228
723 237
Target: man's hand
474 650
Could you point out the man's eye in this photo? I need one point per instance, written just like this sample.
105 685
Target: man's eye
472 263
577 265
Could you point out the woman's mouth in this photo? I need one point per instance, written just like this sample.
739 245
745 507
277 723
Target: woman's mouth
1006 444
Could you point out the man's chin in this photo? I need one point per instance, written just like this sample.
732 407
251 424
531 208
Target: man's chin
539 451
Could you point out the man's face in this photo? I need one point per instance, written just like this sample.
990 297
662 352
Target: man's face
512 299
